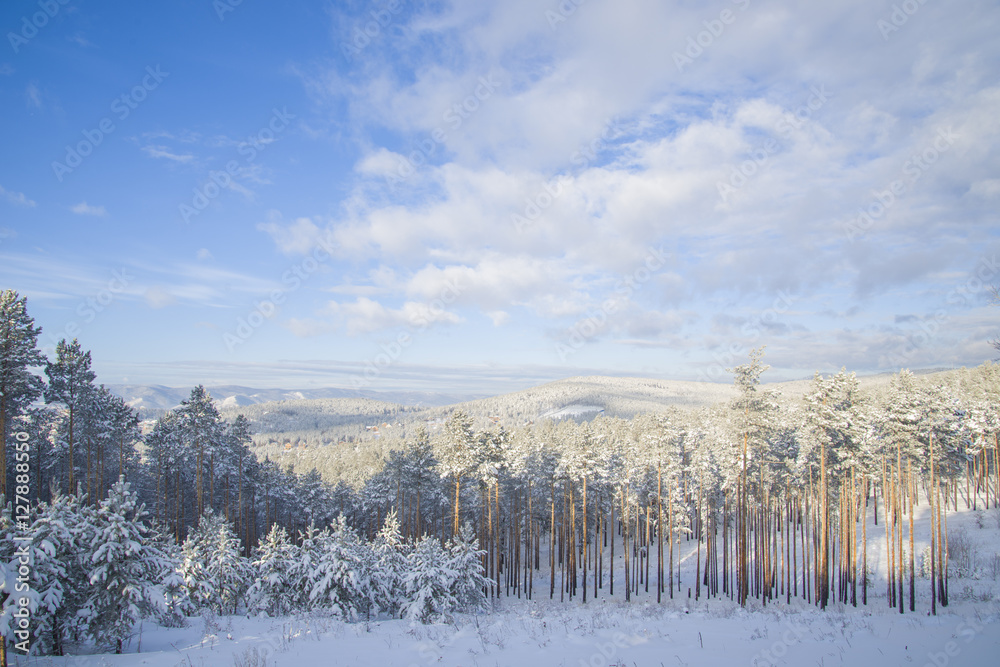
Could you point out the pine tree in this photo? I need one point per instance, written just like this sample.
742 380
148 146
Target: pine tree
340 580
389 552
19 387
59 575
71 384
215 574
457 456
465 565
125 569
201 430
271 591
428 583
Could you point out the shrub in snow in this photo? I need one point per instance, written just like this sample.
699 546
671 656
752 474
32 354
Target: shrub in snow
176 604
214 573
469 585
124 569
340 576
441 581
94 573
389 554
273 567
428 583
925 563
58 584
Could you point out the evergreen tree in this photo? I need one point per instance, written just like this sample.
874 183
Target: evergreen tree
428 583
215 574
275 559
340 580
59 576
202 432
457 455
71 384
125 569
465 565
19 387
389 567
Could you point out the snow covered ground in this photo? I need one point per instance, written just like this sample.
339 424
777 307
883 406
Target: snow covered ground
609 631
606 633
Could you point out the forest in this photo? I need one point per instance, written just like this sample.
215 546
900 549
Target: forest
772 497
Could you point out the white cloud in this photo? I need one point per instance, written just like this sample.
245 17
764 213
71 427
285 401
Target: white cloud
297 238
498 317
158 297
83 208
748 165
18 198
366 316
204 254
165 153
33 96
80 40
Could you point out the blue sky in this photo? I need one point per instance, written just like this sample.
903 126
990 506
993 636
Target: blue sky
481 196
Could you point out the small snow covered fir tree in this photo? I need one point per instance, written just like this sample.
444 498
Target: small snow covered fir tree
124 569
59 576
340 580
465 562
273 567
428 583
215 574
389 553
442 580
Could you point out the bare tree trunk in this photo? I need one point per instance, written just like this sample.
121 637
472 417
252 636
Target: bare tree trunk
585 539
659 534
625 554
913 584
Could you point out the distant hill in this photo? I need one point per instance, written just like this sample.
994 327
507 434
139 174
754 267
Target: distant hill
347 435
338 413
153 400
